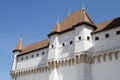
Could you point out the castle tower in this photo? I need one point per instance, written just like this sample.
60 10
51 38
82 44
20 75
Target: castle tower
76 49
17 51
83 30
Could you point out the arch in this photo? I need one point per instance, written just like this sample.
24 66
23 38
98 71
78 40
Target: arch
93 59
69 62
73 60
77 59
110 56
32 71
116 55
66 62
52 64
81 58
84 58
45 68
104 57
56 64
99 58
49 64
40 70
62 63
89 59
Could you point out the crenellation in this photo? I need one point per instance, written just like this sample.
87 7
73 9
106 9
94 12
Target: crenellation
84 58
77 46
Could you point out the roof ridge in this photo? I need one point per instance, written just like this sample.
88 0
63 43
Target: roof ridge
74 18
107 24
107 20
35 43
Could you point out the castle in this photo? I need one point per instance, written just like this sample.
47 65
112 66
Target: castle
76 49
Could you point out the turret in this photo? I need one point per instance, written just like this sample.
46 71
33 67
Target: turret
83 32
54 41
17 51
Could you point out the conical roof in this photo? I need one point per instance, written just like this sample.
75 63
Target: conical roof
56 28
73 19
19 46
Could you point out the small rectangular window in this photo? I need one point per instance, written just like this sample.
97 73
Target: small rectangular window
88 38
63 44
106 35
21 58
31 56
43 53
117 32
71 42
37 54
52 46
96 38
79 37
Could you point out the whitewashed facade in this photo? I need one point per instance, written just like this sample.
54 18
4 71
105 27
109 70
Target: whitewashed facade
76 54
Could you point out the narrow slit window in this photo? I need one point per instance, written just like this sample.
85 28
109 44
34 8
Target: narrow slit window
88 38
52 46
31 56
22 59
43 53
79 37
71 42
63 44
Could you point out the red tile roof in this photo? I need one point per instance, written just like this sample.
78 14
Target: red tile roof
72 20
78 17
36 46
19 46
107 25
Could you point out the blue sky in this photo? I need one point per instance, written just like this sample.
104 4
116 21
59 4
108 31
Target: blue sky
34 19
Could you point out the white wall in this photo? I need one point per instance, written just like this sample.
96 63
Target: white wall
53 51
38 76
67 73
103 43
83 31
68 49
108 70
32 62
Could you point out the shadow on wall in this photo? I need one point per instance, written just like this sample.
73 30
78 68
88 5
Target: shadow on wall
43 59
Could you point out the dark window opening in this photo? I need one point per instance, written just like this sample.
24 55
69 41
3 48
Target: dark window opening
88 38
52 46
96 38
71 42
63 44
107 35
31 56
21 58
118 32
43 53
37 54
79 37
